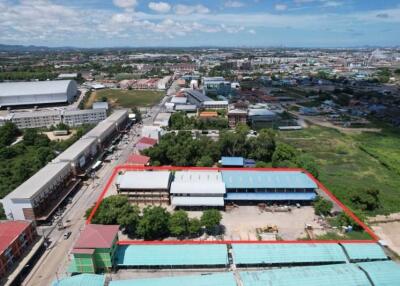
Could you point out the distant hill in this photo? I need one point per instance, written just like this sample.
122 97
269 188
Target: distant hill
31 48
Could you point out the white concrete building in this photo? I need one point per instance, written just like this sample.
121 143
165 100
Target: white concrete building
37 92
30 200
80 117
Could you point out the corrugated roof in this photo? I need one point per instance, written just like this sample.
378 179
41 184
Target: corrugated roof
328 275
172 255
199 96
232 161
144 180
382 273
310 196
147 140
34 87
197 182
271 254
261 112
215 279
364 251
197 201
39 180
9 231
97 236
267 179
82 280
137 159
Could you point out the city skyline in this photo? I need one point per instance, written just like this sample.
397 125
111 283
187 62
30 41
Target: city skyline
255 23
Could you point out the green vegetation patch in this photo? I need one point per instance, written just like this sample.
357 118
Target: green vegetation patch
129 98
346 169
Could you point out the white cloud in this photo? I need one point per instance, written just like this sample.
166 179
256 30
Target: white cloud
160 7
181 9
234 4
332 4
44 22
252 31
280 7
125 3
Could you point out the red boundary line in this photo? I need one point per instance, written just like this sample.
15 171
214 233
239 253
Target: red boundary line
119 168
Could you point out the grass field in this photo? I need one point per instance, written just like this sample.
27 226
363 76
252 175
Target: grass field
350 163
127 98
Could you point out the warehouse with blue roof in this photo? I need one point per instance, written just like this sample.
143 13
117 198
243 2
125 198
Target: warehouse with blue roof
276 186
327 275
285 254
214 279
172 256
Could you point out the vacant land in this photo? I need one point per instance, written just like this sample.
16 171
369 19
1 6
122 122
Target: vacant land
126 98
349 163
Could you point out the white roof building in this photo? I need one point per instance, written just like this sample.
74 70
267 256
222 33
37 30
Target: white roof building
197 188
142 180
37 92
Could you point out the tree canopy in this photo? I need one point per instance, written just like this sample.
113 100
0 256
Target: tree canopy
154 223
211 219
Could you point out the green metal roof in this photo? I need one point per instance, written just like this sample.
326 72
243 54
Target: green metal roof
81 280
175 255
287 253
382 273
364 251
328 275
217 279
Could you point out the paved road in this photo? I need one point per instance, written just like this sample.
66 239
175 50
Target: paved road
55 260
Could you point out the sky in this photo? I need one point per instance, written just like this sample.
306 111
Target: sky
188 23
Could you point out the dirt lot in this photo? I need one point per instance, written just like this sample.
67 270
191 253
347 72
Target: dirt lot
388 229
53 137
241 223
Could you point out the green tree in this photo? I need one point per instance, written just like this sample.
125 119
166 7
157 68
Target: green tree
33 138
284 155
154 223
8 133
194 227
322 206
262 147
367 200
211 219
179 223
117 210
205 161
308 163
137 113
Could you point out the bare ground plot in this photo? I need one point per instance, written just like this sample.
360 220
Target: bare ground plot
389 232
241 223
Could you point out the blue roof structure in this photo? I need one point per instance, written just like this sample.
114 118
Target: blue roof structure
309 196
382 273
267 180
217 279
364 251
172 255
232 161
327 275
289 254
82 280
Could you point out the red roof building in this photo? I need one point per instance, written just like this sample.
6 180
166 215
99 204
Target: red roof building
136 159
97 236
145 142
15 239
